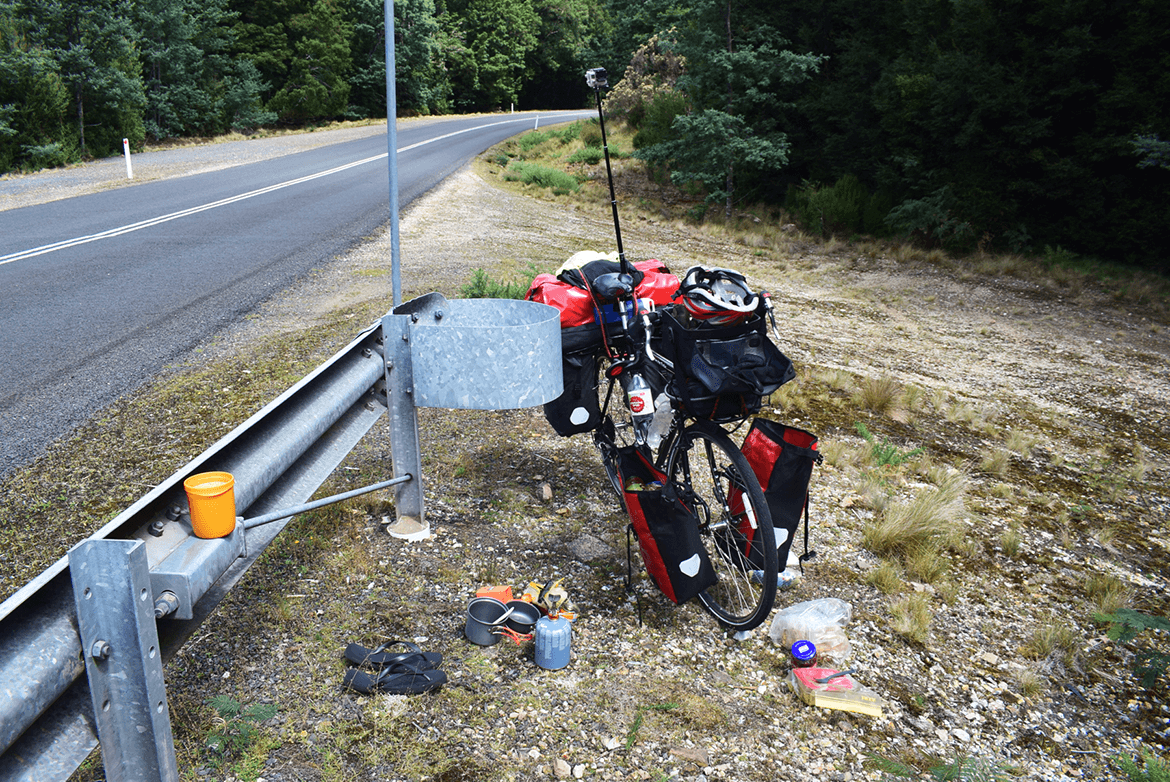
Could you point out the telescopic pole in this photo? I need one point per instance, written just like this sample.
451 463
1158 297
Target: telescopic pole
612 196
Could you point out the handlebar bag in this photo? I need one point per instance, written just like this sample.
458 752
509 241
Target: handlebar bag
666 529
723 373
782 458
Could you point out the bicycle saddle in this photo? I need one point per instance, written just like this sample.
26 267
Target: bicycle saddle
608 288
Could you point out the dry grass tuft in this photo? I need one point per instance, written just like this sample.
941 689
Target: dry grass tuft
911 617
1030 682
1010 541
931 518
1107 592
877 394
1046 640
1020 442
961 413
886 578
997 462
925 562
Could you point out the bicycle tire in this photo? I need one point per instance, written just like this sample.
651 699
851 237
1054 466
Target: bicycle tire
617 427
607 448
714 477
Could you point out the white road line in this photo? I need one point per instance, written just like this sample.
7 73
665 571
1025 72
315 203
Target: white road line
125 229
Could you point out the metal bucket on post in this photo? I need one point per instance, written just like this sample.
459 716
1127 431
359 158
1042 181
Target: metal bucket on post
463 354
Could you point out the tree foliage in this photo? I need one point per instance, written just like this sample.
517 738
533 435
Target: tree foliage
958 122
1032 121
737 68
91 48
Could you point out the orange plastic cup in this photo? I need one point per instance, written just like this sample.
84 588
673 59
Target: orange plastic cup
212 498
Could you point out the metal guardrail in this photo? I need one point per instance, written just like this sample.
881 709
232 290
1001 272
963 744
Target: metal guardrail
126 599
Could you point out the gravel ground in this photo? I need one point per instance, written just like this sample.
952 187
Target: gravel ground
672 697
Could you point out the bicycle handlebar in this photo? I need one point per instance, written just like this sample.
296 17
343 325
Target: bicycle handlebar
648 327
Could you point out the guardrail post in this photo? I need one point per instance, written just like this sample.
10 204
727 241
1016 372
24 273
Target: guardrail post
119 640
405 452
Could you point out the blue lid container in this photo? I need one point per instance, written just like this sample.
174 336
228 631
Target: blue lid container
804 654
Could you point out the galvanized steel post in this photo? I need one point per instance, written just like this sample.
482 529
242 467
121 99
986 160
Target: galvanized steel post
119 640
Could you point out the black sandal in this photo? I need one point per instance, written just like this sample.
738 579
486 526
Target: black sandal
395 680
379 657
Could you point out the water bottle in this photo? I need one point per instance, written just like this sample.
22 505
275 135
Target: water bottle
641 400
660 424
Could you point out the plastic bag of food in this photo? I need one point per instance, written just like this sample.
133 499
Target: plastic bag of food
819 621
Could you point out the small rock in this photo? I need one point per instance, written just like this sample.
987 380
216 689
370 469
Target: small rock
546 492
923 726
722 677
579 771
587 548
961 735
696 755
561 768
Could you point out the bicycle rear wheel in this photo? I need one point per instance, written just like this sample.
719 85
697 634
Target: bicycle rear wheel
736 529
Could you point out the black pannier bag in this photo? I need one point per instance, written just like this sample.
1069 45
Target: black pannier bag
666 529
576 410
782 458
723 373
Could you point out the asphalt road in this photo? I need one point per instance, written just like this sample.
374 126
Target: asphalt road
99 292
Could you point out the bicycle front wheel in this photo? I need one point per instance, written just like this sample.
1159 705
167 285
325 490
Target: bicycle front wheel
714 478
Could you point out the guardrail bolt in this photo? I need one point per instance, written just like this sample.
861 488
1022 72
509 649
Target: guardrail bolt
156 528
366 352
100 650
166 604
174 513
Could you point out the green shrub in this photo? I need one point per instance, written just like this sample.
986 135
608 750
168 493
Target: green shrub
1151 770
534 138
590 133
659 116
932 221
960 768
885 452
842 208
873 217
590 155
239 725
572 132
530 173
1150 663
484 287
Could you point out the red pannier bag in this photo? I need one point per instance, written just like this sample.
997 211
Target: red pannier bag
782 458
666 529
569 295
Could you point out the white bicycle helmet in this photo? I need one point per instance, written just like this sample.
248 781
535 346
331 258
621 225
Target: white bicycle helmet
717 296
